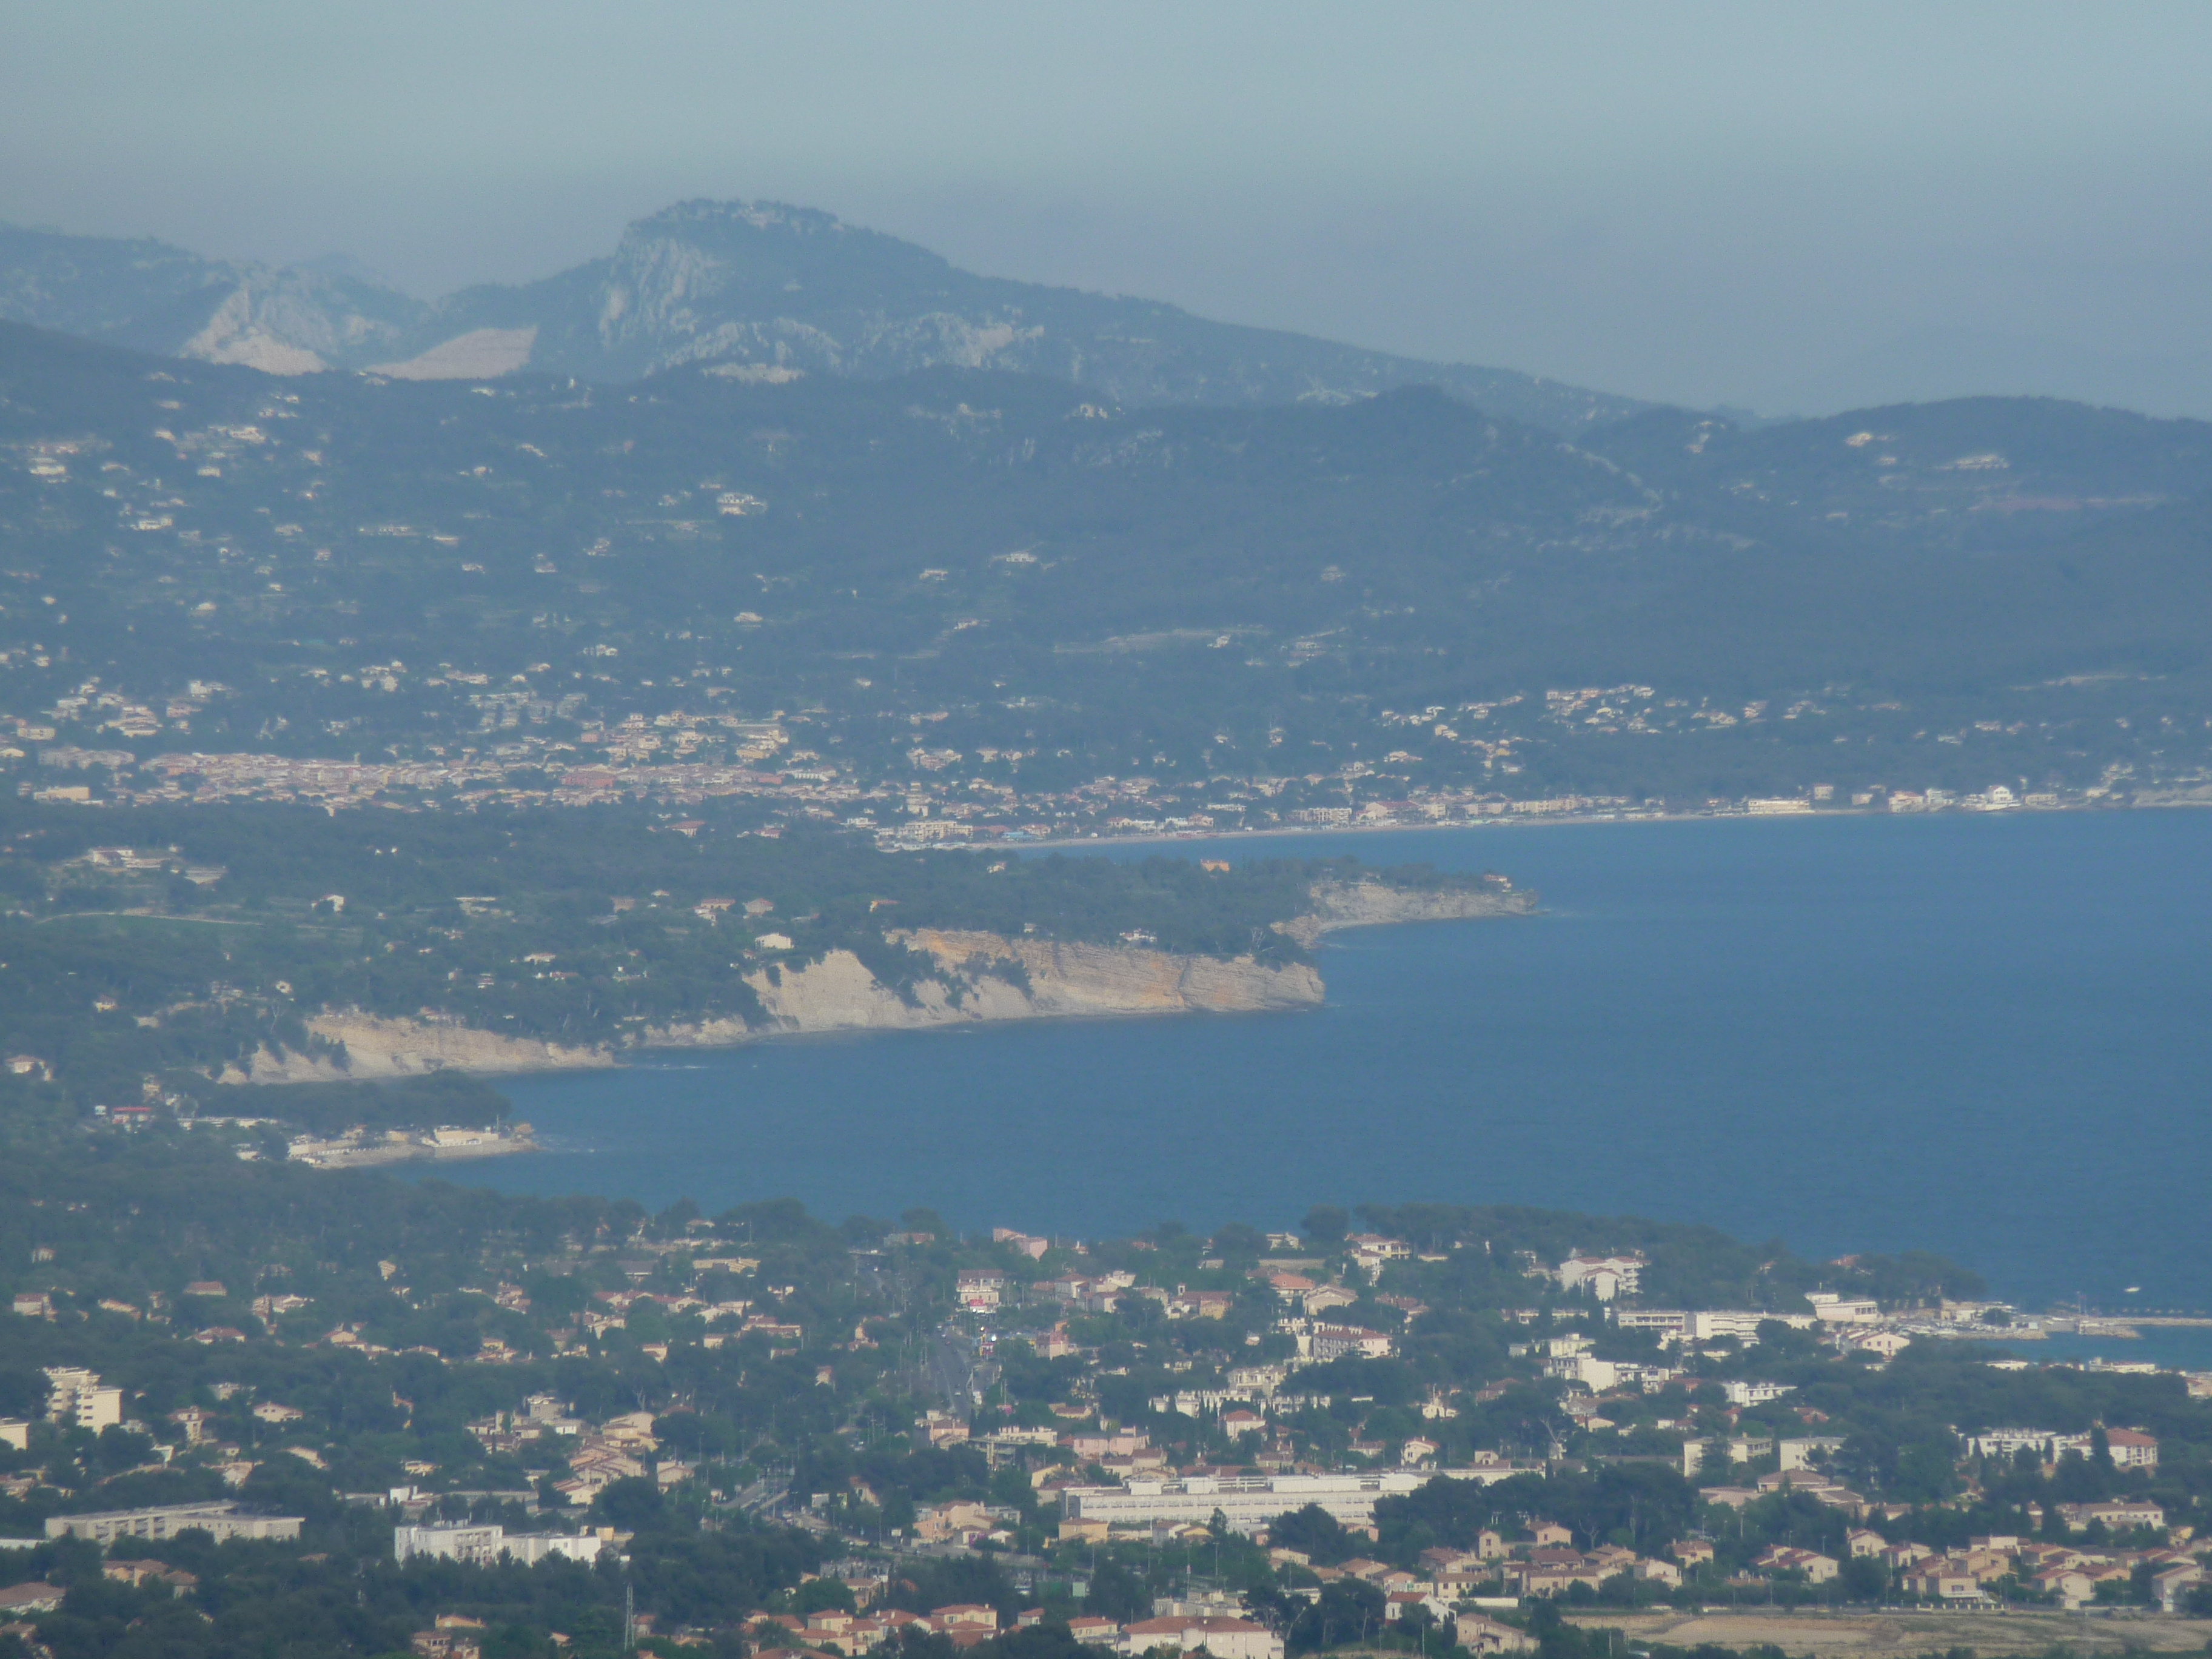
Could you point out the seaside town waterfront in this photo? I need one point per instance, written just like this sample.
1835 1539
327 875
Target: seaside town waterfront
1431 1427
1463 764
934 804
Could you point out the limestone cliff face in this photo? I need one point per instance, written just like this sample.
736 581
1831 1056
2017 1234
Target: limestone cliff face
980 976
977 977
1100 979
1372 904
380 1049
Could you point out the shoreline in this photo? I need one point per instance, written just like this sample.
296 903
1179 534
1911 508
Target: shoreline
1457 1076
375 1157
1533 821
647 1056
838 994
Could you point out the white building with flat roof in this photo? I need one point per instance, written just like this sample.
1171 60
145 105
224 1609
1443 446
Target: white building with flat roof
221 1521
75 1397
1222 1636
1668 1324
485 1545
1252 1503
1831 1309
1742 1323
1606 1276
1805 1450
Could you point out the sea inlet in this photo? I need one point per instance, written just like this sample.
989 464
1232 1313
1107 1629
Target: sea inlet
1985 1036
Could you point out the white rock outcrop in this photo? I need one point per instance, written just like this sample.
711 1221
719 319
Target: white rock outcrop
981 976
378 1048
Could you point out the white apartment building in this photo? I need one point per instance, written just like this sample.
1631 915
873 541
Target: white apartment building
485 1545
1802 1452
1831 1309
1742 1323
221 1521
75 1397
2010 1443
1755 1393
1252 1503
2131 1448
1671 1324
1223 1637
1327 1342
1606 1276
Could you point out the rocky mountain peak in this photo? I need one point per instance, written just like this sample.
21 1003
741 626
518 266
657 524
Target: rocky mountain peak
764 287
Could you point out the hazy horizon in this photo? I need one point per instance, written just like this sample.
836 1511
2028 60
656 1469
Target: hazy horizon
1717 205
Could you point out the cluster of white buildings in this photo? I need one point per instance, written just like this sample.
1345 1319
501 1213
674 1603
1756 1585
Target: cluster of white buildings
621 1449
2131 1448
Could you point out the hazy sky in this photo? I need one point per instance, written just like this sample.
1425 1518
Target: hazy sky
1776 205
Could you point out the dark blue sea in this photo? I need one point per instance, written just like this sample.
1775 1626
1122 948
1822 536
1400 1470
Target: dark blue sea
1990 1036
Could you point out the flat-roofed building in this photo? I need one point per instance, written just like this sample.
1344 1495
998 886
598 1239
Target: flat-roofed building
78 1397
1252 1503
221 1521
1223 1637
485 1545
1668 1324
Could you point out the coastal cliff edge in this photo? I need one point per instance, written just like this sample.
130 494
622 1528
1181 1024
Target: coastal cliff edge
974 977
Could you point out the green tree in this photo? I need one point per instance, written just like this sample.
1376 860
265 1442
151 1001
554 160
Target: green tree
1326 1226
1314 1533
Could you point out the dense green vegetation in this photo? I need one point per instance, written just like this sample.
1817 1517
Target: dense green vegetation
1689 1266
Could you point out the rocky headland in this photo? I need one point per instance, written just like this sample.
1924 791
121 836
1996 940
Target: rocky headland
973 978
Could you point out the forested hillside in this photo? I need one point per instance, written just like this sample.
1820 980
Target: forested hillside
1008 574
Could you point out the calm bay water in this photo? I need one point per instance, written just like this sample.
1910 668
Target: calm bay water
1984 1037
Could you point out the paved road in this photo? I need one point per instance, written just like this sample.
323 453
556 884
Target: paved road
949 1372
763 1494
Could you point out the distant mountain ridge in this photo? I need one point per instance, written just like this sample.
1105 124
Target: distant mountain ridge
150 296
771 290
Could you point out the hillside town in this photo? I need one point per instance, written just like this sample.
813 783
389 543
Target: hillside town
1169 1443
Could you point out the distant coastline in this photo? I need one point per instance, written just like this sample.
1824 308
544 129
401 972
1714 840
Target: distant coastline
363 1150
2169 800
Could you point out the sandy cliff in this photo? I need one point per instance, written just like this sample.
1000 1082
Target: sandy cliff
382 1048
978 977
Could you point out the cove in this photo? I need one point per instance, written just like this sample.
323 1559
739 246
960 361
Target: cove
1984 1035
